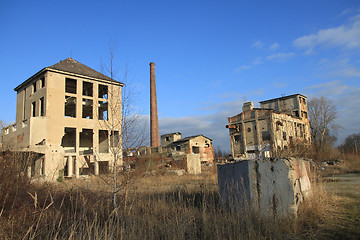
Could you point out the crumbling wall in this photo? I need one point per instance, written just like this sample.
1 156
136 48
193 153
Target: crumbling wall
273 187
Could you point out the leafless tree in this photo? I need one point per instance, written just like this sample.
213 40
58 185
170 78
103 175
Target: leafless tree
322 116
122 116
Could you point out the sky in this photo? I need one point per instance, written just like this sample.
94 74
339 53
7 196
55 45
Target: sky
210 56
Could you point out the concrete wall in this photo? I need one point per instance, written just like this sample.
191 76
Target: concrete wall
193 164
272 187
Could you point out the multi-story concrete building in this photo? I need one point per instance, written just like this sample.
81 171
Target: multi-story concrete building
273 127
67 114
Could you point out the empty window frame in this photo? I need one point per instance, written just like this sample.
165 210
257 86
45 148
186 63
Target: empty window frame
115 138
284 136
237 138
103 141
70 85
87 89
34 87
178 148
42 82
103 91
87 108
103 110
42 106
265 135
33 109
195 150
68 141
86 141
70 106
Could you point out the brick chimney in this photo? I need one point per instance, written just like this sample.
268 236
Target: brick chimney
154 122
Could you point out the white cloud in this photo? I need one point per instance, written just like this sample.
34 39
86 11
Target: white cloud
345 36
280 56
257 61
258 44
274 46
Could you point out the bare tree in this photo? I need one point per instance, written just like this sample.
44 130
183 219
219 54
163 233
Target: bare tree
124 121
322 115
351 144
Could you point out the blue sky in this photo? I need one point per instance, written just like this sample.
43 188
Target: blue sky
210 56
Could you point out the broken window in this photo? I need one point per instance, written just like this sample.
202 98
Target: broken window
207 144
86 141
178 148
34 87
70 85
87 89
42 106
237 138
284 135
195 150
167 139
265 135
33 109
87 108
103 141
42 82
70 106
115 138
296 113
103 110
249 129
103 91
68 141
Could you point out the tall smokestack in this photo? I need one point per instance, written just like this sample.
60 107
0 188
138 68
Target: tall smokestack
154 122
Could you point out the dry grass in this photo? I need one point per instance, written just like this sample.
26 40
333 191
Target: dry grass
156 207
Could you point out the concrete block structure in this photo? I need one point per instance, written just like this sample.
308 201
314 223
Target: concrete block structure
275 187
70 115
262 132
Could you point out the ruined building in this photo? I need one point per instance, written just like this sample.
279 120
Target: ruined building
270 129
70 116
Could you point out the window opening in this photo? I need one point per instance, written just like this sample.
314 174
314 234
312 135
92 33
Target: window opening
265 135
68 141
70 106
103 110
195 150
178 148
237 138
42 80
34 87
42 107
33 109
87 89
103 91
86 141
70 85
103 141
284 135
87 108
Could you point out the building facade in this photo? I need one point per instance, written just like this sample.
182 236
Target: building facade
70 116
275 126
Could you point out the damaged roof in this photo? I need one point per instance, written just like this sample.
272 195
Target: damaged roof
190 137
70 65
282 98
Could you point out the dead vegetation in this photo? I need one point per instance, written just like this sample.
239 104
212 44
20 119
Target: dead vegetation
153 207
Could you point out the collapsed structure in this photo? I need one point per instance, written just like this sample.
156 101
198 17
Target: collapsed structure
70 116
270 129
188 153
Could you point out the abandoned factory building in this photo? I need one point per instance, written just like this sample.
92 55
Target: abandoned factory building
272 128
69 116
